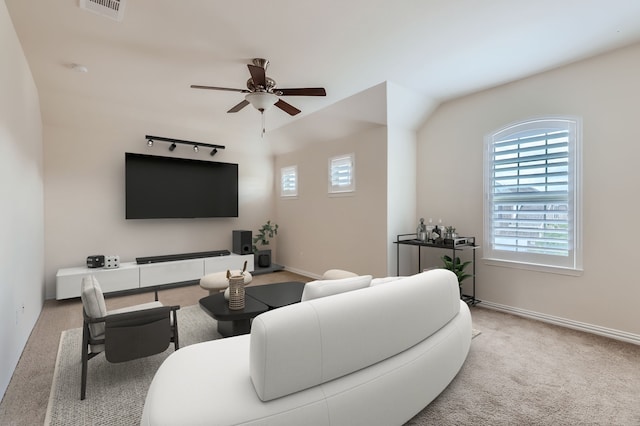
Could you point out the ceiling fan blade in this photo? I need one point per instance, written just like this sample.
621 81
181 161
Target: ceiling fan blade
194 86
288 108
258 75
309 91
238 107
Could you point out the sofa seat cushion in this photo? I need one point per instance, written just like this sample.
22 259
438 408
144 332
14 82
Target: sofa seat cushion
323 288
303 345
210 384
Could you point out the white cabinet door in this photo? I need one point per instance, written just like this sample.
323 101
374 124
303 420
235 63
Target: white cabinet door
232 262
69 280
171 272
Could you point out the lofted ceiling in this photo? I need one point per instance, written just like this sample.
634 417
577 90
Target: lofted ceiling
437 49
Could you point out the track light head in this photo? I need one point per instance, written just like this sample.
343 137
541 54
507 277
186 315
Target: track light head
195 148
172 147
214 151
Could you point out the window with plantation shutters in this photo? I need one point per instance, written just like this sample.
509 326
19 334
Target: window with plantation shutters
532 182
289 181
342 174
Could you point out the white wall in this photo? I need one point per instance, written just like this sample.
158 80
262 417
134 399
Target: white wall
21 206
604 91
85 145
405 111
319 231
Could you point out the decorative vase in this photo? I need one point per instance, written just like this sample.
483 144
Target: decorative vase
236 292
263 258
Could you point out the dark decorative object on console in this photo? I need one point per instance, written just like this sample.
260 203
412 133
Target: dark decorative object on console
263 258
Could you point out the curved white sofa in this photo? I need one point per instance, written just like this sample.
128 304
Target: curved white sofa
373 356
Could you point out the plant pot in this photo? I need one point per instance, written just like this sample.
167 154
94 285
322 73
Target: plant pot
262 258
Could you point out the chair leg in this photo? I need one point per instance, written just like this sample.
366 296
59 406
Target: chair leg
176 344
85 359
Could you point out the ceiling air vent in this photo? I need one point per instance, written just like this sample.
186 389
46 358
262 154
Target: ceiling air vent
113 9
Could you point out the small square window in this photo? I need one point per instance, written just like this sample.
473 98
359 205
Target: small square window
342 174
289 181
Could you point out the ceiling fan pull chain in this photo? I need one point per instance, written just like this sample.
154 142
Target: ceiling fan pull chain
262 134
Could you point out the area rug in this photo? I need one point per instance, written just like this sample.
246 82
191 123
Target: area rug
115 392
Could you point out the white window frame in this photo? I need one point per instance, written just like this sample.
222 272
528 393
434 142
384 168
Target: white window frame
289 182
507 240
342 174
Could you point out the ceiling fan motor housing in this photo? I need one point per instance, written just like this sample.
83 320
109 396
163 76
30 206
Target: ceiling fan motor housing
271 84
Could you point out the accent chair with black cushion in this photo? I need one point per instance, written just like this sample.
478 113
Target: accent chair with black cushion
123 334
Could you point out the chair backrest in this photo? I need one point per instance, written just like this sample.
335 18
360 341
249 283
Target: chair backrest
93 304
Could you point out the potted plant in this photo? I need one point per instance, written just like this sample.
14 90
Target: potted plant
265 233
457 267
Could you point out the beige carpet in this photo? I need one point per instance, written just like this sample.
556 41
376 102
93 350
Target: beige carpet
525 372
115 392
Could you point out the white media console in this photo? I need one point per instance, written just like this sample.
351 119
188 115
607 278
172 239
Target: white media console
131 276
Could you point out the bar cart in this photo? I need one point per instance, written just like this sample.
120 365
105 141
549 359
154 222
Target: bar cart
454 245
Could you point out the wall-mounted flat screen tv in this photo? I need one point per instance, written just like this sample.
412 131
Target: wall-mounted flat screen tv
164 187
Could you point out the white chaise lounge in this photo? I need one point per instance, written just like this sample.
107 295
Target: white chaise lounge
372 356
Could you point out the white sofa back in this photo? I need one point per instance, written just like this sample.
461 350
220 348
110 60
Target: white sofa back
303 345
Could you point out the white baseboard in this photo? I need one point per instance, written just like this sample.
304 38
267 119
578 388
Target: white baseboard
301 272
576 325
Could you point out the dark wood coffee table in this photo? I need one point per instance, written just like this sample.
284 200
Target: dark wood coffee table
232 322
259 299
276 295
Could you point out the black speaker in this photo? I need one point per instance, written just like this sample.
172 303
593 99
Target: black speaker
95 261
242 242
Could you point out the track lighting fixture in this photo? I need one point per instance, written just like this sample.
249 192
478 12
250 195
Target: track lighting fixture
172 147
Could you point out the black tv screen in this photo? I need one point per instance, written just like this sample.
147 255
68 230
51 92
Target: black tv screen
165 187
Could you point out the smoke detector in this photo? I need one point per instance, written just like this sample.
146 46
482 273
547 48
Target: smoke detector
113 9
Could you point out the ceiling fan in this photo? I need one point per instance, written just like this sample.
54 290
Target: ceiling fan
262 92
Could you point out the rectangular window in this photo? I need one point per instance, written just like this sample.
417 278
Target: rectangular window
342 174
289 181
532 192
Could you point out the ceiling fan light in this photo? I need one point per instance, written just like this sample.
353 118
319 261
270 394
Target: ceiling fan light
261 101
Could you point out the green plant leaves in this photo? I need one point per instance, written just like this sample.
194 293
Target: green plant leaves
456 266
266 231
